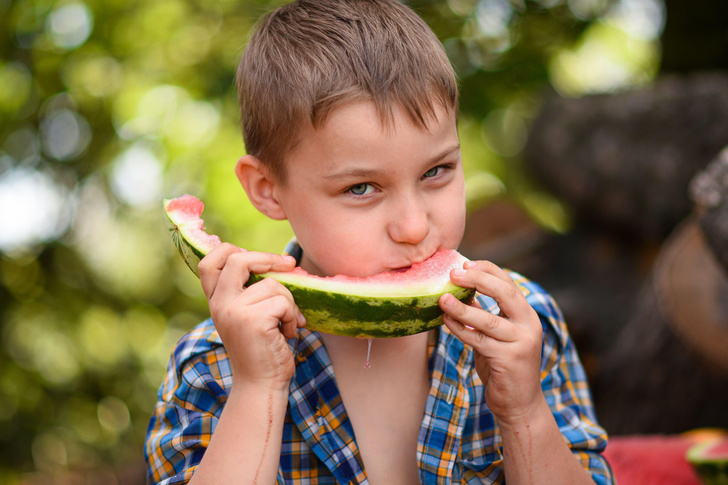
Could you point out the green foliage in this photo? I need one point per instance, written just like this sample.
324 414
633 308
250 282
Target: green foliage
105 108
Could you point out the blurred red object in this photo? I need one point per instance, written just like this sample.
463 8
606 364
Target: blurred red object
651 460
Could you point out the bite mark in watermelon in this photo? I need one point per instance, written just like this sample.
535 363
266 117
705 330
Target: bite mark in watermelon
188 230
391 304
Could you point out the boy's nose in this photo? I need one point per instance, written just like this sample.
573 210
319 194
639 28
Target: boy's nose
409 223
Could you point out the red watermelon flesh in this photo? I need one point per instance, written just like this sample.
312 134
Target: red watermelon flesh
717 451
186 211
651 460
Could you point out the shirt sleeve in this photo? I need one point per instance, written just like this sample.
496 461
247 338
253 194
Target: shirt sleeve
565 386
189 404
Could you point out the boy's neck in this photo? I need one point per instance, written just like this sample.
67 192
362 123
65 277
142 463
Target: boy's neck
390 353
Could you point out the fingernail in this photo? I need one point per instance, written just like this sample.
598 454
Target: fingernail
449 299
459 272
471 264
289 258
301 319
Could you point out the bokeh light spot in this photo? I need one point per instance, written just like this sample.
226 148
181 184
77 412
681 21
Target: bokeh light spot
643 19
55 357
16 82
493 17
606 59
70 25
113 414
96 75
586 9
102 336
65 134
49 450
194 124
505 132
35 208
136 176
23 145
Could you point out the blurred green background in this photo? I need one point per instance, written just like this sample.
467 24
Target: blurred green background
108 106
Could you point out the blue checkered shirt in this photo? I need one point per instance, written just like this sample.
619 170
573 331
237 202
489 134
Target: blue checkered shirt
459 441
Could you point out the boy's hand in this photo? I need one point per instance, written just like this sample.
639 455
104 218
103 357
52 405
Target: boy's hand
253 322
507 346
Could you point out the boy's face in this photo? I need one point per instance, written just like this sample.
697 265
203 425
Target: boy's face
363 199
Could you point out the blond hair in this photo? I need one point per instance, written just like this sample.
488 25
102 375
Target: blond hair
308 57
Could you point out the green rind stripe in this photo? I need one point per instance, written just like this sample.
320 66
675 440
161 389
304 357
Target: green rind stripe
376 317
190 254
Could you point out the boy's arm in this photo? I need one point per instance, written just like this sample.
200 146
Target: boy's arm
194 410
246 445
254 324
508 359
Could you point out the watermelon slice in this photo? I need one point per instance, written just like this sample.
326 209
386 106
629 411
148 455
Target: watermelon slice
650 460
392 304
710 461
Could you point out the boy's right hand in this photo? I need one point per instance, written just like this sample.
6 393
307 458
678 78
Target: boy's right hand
253 322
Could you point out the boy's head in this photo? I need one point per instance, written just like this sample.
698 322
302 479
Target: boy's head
307 58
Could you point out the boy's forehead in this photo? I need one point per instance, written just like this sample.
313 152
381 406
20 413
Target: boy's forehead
360 127
356 116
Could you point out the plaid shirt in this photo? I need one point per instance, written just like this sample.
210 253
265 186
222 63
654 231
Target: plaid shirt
458 441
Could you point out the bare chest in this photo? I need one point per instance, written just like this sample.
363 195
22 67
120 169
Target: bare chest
386 419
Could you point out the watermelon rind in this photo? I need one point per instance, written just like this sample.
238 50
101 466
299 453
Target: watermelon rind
712 470
358 309
368 316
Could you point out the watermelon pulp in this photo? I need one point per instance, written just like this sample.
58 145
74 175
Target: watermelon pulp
188 230
391 304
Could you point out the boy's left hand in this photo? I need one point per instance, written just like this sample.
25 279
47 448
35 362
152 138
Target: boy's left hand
507 346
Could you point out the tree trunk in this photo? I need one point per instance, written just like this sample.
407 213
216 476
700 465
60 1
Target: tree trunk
668 371
709 190
625 161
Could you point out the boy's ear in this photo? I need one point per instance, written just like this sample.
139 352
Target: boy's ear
260 185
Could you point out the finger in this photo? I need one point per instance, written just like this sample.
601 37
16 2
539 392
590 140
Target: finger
509 297
283 313
479 341
272 262
234 275
477 320
490 268
268 288
211 265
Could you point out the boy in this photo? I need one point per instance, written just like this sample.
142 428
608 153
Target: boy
349 119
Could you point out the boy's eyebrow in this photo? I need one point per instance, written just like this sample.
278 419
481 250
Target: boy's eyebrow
368 173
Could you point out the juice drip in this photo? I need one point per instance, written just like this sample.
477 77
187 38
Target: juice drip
369 351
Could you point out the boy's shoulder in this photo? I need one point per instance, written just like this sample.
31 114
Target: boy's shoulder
199 347
202 338
198 363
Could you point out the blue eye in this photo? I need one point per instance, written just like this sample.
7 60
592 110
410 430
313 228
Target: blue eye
360 189
432 172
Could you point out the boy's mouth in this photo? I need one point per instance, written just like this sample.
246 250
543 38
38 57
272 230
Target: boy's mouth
402 269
